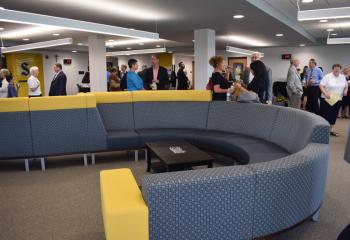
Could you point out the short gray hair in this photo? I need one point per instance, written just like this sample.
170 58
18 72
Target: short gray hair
33 69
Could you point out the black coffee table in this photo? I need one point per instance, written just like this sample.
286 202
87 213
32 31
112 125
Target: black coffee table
177 155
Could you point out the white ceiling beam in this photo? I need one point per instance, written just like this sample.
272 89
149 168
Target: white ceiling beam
71 24
272 11
327 13
37 45
135 52
331 41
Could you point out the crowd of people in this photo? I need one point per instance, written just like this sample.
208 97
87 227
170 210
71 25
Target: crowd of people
155 77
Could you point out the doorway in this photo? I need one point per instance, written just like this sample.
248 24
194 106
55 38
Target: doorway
238 66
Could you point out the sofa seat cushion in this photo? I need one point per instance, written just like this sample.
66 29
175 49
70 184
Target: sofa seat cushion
123 140
152 135
244 149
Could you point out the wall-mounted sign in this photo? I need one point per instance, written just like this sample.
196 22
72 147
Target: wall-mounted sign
67 61
287 56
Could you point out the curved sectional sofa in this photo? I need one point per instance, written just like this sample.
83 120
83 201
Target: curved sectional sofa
281 180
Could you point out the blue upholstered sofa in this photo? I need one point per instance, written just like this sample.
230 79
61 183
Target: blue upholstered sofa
283 154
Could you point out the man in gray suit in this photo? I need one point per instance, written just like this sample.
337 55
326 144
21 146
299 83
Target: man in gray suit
248 77
294 86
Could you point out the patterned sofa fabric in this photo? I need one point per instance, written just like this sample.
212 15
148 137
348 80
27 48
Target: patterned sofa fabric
96 131
58 132
151 115
16 135
200 205
294 129
249 119
289 190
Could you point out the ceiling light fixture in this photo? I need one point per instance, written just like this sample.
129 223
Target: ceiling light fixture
323 20
37 45
302 45
332 41
2 29
334 34
129 48
71 24
132 41
135 52
74 51
322 14
246 41
238 16
28 32
25 39
80 44
158 46
279 35
307 1
330 30
55 34
241 51
141 44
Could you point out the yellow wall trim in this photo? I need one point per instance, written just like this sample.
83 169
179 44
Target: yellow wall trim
14 104
172 96
57 103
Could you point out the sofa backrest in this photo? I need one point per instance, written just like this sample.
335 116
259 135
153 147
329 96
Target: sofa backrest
171 109
254 120
116 109
294 129
59 125
15 129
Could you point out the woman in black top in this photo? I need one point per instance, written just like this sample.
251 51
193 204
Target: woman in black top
260 80
221 86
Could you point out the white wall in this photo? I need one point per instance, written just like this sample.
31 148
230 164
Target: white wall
79 63
325 56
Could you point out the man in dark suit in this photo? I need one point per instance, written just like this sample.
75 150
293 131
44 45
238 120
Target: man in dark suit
182 80
59 82
157 77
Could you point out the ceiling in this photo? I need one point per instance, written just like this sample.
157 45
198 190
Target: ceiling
175 21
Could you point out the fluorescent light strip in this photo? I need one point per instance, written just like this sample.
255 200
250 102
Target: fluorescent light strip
131 41
76 25
242 51
46 44
28 31
331 41
135 52
246 40
327 13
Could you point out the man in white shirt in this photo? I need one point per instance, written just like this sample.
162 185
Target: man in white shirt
34 83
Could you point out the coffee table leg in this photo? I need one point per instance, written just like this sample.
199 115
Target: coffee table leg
148 153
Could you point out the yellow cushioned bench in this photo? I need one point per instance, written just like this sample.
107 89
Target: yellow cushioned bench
125 214
172 96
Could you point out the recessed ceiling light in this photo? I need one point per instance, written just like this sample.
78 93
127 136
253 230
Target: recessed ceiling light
330 30
110 40
141 43
129 48
279 35
302 45
55 34
74 51
323 20
132 28
192 40
238 16
25 39
80 44
334 34
307 1
158 46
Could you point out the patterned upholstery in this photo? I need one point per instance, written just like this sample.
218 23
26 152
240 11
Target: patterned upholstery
288 190
123 140
15 137
117 116
171 115
96 130
255 120
200 205
294 129
59 132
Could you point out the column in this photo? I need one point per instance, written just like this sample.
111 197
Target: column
97 63
204 49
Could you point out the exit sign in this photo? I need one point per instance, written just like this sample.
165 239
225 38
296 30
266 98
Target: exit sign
287 56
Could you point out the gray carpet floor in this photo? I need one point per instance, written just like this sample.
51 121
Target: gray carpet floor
64 201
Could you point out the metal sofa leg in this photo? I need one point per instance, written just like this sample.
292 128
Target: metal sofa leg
85 160
42 161
136 155
26 164
93 159
146 154
314 217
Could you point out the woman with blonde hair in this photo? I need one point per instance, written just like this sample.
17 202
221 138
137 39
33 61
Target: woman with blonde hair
34 83
4 84
221 86
344 110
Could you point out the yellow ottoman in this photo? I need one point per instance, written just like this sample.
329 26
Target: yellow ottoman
125 213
